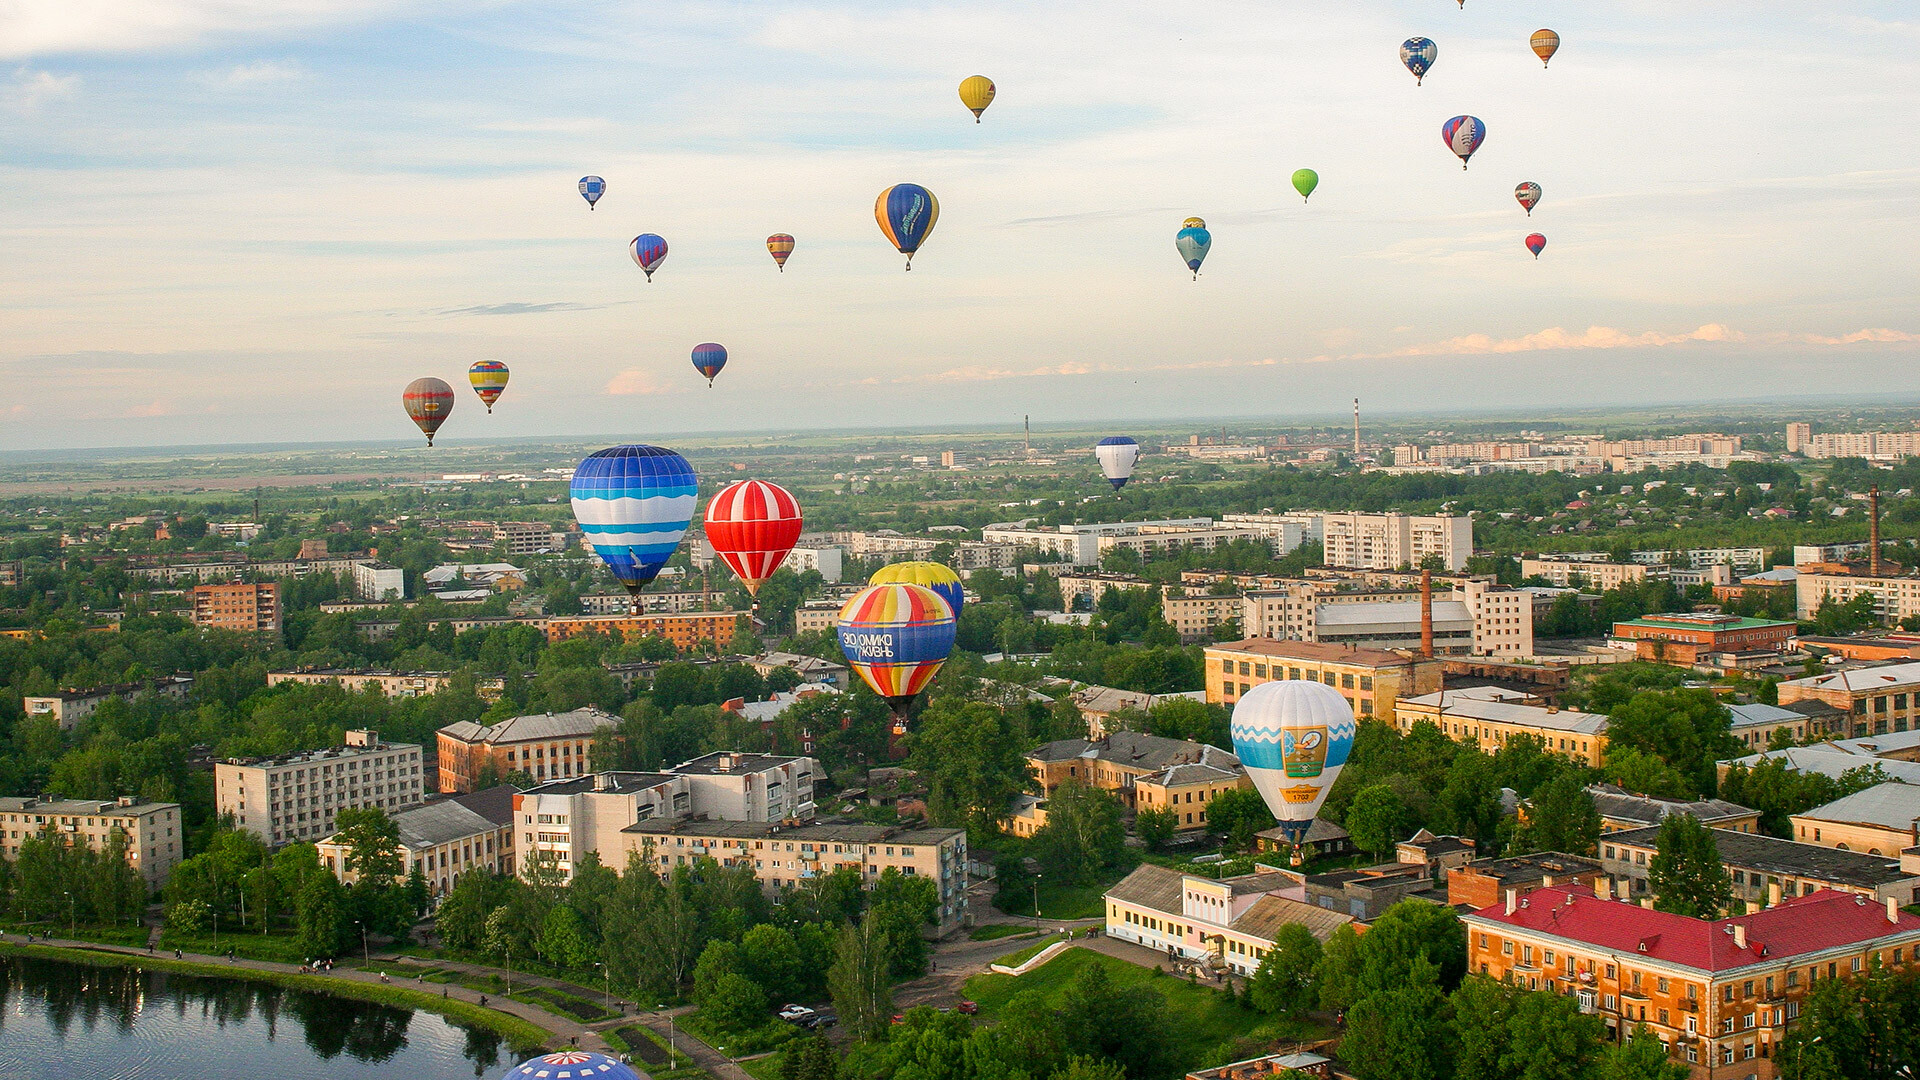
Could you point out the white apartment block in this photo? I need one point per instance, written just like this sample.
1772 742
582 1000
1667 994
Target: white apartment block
155 835
1153 540
1078 549
1593 574
379 581
1476 617
526 537
1386 541
293 798
1742 558
1895 597
1282 532
825 560
1874 445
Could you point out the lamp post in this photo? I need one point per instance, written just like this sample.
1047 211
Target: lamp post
1036 896
71 918
606 987
366 955
1801 1057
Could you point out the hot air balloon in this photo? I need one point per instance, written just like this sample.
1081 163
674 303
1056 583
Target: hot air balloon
1192 242
1545 43
633 503
591 188
938 577
906 213
752 525
1116 454
780 245
1536 243
1293 737
1463 135
583 1064
708 358
649 250
896 636
976 93
1418 54
1304 181
1529 195
428 401
489 379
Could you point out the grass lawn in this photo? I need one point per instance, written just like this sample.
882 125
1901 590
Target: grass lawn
734 1043
1205 1026
1057 901
763 1068
1015 959
992 931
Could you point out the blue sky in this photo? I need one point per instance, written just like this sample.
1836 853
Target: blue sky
241 220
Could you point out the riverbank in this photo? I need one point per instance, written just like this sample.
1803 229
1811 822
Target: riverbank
522 1034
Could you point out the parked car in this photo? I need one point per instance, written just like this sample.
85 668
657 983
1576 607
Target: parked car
794 1013
819 1022
966 1007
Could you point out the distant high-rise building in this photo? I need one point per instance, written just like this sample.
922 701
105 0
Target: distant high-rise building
1389 541
1798 436
249 607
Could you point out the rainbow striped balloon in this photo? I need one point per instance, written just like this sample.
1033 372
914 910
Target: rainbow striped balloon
896 636
634 503
928 575
489 379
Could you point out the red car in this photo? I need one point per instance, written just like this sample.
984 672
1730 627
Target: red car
967 1008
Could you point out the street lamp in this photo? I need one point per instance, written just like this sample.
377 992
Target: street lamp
366 956
606 987
71 919
1036 895
1800 1058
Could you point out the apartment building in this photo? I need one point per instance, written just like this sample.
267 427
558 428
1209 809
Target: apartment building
374 580
1227 923
10 573
1765 869
1196 617
1282 532
1720 994
1756 724
248 607
1085 588
1799 435
548 746
1149 540
293 798
1873 445
827 560
1875 700
1491 716
816 615
154 833
444 839
1474 617
1146 772
686 630
67 708
1387 541
526 538
1483 882
1373 680
393 684
1688 638
1882 820
1079 544
1896 596
1621 810
1599 575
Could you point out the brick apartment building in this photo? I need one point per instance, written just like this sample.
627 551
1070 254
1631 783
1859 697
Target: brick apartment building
249 607
686 630
549 746
1372 680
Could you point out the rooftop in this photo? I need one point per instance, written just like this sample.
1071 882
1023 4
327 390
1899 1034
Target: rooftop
731 763
1618 805
843 832
1313 651
566 725
1540 864
311 757
79 807
1138 750
1466 705
1717 623
439 823
1390 612
1828 919
611 783
1827 760
1888 806
494 803
1865 679
1160 888
1772 855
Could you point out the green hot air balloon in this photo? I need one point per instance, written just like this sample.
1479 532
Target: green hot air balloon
1304 181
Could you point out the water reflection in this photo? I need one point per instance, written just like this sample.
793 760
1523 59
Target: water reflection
137 1023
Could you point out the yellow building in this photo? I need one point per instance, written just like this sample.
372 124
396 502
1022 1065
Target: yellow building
1372 680
1147 772
1489 716
155 835
1881 820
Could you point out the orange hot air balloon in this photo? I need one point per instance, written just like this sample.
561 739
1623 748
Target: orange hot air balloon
1545 43
428 401
780 245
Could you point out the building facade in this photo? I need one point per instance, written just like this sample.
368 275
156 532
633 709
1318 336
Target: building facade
1896 597
548 746
293 798
1687 638
374 580
444 839
686 630
1874 700
1883 820
1490 716
1765 869
1373 680
1146 772
67 708
1597 575
1387 541
154 834
247 607
1228 924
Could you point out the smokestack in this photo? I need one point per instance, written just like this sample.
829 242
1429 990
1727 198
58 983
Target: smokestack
1026 424
1356 427
1893 911
1873 531
1426 613
1513 900
1739 936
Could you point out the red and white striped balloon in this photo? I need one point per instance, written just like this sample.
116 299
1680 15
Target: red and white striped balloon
752 526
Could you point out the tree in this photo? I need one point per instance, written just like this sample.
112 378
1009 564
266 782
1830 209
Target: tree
1377 819
1283 984
372 841
564 941
1083 836
862 991
1686 875
810 1058
900 907
1687 729
770 956
1562 818
1127 1024
1338 972
734 1003
1642 1057
1155 826
1089 1068
320 915
1550 1038
971 759
1410 933
1636 770
1863 1028
1236 816
1400 1032
1481 1039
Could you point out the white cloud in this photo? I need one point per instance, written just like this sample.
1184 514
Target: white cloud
39 27
254 74
635 381
32 89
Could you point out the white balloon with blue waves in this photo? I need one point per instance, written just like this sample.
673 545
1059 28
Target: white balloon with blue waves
634 503
1293 738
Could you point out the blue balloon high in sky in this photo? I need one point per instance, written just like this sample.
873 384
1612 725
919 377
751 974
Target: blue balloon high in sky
634 502
1418 54
649 250
906 213
591 188
1193 241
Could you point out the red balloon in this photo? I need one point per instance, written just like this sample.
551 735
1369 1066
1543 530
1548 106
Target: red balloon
752 525
1536 244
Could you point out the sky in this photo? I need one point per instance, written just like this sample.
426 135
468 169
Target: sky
257 220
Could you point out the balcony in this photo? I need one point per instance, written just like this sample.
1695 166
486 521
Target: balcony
1690 1005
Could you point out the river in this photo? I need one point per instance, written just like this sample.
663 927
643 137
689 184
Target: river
68 1020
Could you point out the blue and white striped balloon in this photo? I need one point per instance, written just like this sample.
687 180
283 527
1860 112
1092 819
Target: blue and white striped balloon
634 503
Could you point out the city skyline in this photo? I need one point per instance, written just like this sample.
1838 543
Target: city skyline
249 222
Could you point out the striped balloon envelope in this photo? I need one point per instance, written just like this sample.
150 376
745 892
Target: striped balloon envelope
1463 135
634 503
489 379
928 575
649 250
896 636
572 1065
780 245
708 358
428 401
752 525
906 213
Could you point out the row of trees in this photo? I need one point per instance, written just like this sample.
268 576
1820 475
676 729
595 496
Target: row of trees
56 880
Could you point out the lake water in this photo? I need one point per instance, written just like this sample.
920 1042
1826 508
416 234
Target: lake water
68 1020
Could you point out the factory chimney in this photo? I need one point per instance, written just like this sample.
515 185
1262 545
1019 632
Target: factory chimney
1426 613
1356 427
1873 531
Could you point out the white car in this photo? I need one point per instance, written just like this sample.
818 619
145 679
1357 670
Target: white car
794 1013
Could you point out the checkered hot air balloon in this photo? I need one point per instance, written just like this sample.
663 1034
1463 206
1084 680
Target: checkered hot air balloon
591 188
1293 737
634 503
752 525
896 636
1418 54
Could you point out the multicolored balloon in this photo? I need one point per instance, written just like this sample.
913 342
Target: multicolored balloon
1116 454
1293 737
780 245
634 503
1463 135
1529 195
906 213
938 577
649 250
708 358
896 636
1192 242
428 401
1304 181
591 188
1545 43
1418 54
1194 223
489 379
752 525
976 93
1536 243
580 1063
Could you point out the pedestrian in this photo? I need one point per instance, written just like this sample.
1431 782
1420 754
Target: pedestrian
483 1000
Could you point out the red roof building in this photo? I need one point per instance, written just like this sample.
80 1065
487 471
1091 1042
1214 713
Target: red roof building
1719 993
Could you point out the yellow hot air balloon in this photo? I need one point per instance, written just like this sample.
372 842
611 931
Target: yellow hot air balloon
1194 223
1545 43
976 93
